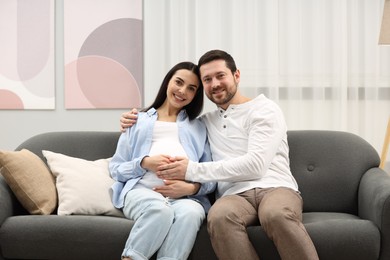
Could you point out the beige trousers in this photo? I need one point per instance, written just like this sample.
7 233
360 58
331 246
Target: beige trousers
279 211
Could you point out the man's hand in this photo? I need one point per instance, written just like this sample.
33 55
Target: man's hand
128 119
176 170
152 162
176 189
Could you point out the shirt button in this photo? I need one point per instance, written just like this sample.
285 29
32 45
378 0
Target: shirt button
224 126
225 116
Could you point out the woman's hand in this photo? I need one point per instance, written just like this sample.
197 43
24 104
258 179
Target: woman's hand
176 189
151 163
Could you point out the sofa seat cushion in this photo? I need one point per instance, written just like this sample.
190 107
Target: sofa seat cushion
343 236
64 237
335 236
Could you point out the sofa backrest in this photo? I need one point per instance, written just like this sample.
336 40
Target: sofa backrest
87 145
328 166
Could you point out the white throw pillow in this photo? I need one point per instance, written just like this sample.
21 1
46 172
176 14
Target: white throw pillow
83 186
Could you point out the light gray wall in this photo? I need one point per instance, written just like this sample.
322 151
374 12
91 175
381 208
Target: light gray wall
18 125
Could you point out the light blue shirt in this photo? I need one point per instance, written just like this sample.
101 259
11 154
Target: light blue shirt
135 144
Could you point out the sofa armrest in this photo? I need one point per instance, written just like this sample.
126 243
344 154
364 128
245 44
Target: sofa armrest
9 204
374 204
6 201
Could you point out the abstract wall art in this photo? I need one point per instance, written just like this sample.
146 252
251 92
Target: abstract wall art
103 54
27 54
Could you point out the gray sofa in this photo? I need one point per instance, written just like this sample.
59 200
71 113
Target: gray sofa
346 204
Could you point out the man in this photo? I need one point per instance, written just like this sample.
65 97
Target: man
248 139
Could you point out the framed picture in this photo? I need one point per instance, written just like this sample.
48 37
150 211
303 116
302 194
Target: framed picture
103 54
27 75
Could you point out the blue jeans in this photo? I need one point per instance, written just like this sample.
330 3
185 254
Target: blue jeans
168 226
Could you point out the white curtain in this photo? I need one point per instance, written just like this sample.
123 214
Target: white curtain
318 59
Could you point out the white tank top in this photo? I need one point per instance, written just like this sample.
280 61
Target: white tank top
165 140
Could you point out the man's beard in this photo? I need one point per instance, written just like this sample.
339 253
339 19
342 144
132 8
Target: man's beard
225 100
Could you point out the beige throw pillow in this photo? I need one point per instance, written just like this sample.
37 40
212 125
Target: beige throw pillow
84 187
30 180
